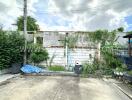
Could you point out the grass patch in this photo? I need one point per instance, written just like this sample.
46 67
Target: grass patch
56 68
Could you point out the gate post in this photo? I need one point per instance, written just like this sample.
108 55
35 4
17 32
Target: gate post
98 51
66 50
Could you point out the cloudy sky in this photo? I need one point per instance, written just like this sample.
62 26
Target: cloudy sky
70 14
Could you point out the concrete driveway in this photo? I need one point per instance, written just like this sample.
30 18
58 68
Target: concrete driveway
59 88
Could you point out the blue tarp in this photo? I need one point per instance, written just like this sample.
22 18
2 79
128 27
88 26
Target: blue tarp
31 69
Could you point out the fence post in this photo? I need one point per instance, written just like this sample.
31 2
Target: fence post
98 51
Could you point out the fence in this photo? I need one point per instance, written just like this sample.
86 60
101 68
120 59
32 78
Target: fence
83 49
78 54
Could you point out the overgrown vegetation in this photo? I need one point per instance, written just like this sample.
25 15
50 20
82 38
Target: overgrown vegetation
56 68
96 69
130 72
11 45
51 60
36 54
108 60
88 68
70 41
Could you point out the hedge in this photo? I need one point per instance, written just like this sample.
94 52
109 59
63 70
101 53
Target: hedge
11 46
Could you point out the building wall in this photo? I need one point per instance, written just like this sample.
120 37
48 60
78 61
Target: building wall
81 55
121 40
52 39
51 42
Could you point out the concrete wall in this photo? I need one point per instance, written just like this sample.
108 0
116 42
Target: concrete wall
79 54
14 69
52 39
121 40
5 71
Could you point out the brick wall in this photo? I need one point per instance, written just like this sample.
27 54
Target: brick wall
78 54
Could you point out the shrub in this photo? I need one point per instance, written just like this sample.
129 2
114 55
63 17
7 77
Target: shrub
107 71
57 68
109 57
10 48
97 69
120 69
88 68
39 55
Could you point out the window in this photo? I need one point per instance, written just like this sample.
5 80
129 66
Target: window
40 40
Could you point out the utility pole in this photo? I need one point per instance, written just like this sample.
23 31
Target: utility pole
25 31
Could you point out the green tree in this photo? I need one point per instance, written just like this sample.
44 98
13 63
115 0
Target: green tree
103 38
120 29
99 37
31 24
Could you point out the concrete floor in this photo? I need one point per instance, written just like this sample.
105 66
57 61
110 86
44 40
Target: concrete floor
59 88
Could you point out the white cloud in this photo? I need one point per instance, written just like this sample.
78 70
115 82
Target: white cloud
11 9
94 14
82 14
8 11
44 27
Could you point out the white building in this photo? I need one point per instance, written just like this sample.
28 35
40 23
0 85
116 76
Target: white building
82 52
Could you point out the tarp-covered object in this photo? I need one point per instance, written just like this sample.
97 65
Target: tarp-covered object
31 69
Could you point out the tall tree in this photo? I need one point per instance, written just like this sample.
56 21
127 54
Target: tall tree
31 24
